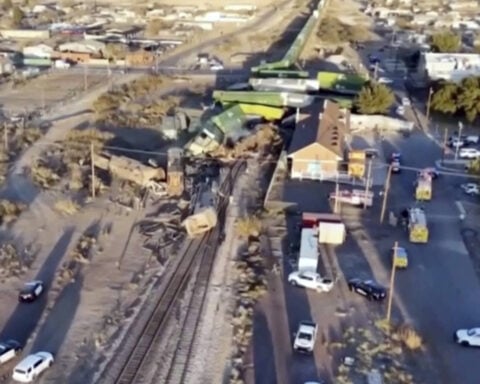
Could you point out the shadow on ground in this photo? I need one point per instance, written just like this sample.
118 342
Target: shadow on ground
25 318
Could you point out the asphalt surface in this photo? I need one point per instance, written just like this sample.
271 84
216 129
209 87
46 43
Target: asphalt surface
440 291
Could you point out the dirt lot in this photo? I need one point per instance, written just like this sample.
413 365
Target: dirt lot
46 90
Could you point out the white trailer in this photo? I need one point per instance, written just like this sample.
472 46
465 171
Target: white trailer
308 258
357 197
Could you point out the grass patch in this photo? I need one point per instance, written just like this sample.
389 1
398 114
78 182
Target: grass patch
67 207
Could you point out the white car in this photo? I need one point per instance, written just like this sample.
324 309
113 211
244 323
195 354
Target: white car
305 337
32 366
469 153
405 101
400 110
310 280
472 139
385 80
470 189
468 337
8 350
456 142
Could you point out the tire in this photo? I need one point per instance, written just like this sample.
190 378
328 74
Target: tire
350 288
465 343
294 283
50 363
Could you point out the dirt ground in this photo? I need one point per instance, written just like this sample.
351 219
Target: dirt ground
46 90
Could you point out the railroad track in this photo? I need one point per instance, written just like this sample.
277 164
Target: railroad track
127 367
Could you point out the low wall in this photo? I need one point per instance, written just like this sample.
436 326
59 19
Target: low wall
359 122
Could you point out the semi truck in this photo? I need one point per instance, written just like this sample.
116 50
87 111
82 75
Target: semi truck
423 187
417 225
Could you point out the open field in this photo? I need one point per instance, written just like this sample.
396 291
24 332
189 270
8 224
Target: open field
46 90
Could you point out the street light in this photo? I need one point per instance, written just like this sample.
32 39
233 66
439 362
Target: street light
392 283
430 93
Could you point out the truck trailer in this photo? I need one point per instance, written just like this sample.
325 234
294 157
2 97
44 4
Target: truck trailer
356 197
308 257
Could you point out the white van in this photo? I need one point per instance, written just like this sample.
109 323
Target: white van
32 366
469 153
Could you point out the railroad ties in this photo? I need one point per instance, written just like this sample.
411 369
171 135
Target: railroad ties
145 335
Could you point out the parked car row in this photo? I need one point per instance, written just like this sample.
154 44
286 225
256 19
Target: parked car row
31 367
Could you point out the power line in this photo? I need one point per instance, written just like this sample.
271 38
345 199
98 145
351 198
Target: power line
266 160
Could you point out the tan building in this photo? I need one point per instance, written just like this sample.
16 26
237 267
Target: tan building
318 143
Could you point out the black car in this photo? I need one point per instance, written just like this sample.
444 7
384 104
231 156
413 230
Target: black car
8 350
31 291
367 288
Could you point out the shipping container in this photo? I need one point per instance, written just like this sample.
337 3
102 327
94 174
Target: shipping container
36 62
331 233
308 257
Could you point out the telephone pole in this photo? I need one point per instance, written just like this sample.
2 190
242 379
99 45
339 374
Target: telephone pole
92 163
444 149
385 193
392 283
5 132
85 77
337 187
430 93
457 146
375 71
367 186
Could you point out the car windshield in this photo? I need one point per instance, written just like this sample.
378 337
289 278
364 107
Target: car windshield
471 332
3 348
305 336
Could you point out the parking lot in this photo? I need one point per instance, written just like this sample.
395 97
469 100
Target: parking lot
46 90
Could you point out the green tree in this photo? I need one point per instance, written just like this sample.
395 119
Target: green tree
444 99
17 16
468 98
374 98
474 167
446 42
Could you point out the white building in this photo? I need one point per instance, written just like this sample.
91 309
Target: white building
41 51
84 46
450 66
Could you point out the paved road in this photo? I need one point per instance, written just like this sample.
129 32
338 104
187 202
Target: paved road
440 292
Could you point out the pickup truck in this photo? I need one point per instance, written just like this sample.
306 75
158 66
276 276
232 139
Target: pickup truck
305 337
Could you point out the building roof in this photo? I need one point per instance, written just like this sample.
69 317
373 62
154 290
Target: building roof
84 46
326 125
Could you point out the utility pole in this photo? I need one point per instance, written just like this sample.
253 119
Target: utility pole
367 186
457 146
43 99
375 71
5 132
385 193
429 101
85 77
392 283
92 163
337 191
444 149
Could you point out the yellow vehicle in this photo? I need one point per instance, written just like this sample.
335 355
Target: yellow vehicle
400 257
423 188
417 226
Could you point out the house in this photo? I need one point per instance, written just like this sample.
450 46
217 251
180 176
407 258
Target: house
318 142
449 66
40 50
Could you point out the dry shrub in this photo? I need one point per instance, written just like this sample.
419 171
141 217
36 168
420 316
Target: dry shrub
409 337
10 210
250 226
44 176
11 262
83 249
67 206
